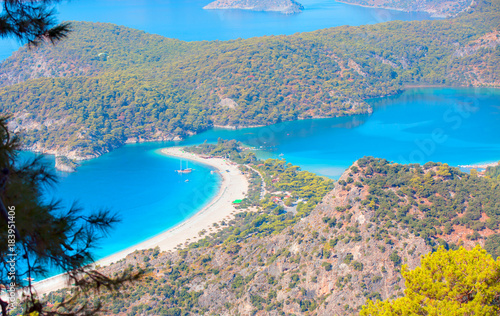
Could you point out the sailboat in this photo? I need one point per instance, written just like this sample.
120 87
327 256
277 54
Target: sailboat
187 170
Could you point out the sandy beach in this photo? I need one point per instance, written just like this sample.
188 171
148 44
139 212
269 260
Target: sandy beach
234 186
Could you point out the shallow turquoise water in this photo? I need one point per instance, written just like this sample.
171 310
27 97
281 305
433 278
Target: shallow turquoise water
141 185
186 19
457 126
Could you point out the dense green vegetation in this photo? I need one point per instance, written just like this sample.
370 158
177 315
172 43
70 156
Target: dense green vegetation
457 282
230 149
432 200
493 172
492 245
286 185
43 236
108 84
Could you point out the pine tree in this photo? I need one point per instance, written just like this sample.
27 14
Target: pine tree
459 282
31 21
38 235
42 235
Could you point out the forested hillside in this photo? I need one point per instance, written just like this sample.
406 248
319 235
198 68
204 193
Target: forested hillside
327 258
106 85
493 172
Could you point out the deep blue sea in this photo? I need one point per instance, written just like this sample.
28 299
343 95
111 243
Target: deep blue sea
186 19
456 126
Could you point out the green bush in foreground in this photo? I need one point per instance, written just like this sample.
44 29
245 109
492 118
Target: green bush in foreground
459 282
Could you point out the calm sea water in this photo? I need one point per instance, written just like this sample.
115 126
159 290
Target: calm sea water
139 184
186 20
456 126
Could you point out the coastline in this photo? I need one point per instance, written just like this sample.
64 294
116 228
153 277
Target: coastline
404 89
418 86
234 185
431 13
292 7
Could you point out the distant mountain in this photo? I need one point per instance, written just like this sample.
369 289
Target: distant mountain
437 8
283 6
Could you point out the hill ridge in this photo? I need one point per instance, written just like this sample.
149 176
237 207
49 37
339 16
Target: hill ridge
127 85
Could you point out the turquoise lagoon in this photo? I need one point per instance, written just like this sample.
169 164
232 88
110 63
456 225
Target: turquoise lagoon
456 126
139 184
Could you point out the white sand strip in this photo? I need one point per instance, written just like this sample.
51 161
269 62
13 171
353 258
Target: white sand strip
234 186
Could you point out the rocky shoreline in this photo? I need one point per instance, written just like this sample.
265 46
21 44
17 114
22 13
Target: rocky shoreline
75 156
434 10
66 165
282 6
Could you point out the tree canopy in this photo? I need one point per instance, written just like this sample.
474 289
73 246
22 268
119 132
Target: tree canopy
31 21
455 282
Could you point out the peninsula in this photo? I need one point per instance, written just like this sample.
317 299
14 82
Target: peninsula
283 6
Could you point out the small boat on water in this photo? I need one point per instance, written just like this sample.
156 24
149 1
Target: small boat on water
186 170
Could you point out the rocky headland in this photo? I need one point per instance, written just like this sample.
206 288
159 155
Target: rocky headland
283 6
